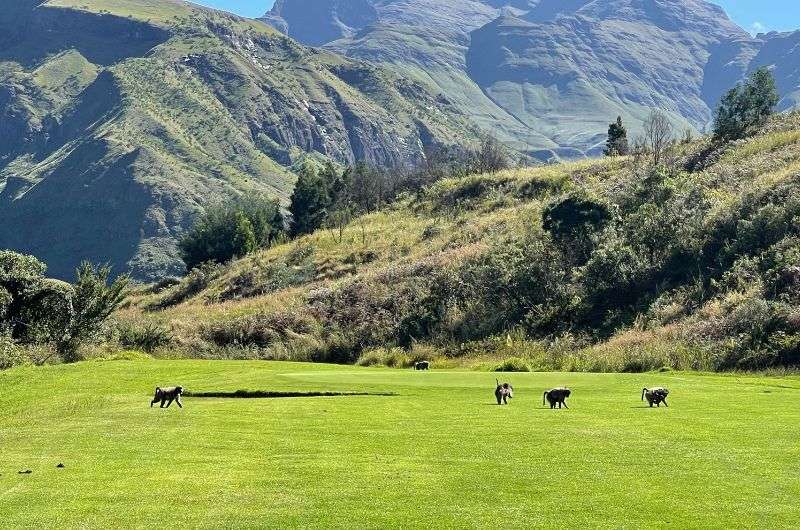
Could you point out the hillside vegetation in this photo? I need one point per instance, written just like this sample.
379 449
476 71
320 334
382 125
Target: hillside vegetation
123 119
438 449
612 265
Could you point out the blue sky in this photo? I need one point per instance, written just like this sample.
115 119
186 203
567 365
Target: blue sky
753 15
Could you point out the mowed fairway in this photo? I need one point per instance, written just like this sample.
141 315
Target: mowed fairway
439 453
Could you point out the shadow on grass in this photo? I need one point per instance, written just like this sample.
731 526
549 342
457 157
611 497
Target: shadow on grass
270 394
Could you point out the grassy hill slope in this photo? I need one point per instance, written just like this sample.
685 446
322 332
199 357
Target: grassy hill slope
121 119
697 267
438 450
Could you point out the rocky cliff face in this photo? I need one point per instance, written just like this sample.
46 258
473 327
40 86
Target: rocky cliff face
120 120
548 75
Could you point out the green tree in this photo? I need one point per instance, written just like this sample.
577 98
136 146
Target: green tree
310 202
244 238
35 309
233 229
94 298
617 143
20 275
746 107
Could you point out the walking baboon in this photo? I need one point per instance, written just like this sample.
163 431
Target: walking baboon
557 396
503 392
168 395
422 365
655 396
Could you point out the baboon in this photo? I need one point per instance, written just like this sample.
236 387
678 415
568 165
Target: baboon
167 395
503 392
655 396
557 396
422 365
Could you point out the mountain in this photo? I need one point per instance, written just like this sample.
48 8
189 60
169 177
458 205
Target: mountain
121 119
549 75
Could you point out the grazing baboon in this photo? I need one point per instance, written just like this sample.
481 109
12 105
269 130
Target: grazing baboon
422 365
503 392
168 395
655 396
557 396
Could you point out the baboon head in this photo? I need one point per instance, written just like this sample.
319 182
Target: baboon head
510 389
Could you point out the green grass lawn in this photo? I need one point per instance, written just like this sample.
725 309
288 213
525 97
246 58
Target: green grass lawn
438 453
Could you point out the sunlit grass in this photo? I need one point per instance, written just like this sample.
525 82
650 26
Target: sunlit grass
724 454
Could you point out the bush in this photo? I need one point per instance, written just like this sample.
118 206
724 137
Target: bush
512 364
259 330
195 282
38 310
573 221
391 357
261 277
11 354
95 298
146 336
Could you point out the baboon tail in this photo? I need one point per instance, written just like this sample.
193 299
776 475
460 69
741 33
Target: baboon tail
544 396
644 391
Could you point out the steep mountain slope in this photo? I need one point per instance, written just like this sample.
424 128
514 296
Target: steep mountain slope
424 39
551 74
120 119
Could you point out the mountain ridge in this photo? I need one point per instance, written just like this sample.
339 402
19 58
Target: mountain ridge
121 119
612 56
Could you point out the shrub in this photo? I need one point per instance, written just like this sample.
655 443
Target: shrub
421 352
512 364
391 357
573 220
452 194
95 299
259 330
11 354
146 336
38 310
195 282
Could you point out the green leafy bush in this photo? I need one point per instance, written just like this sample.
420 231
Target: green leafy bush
11 354
512 364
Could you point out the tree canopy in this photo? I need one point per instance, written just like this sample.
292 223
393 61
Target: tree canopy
746 107
233 229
